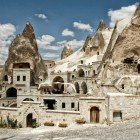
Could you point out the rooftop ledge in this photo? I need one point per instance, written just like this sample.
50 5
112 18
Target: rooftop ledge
32 102
63 111
121 94
92 98
21 69
58 95
8 108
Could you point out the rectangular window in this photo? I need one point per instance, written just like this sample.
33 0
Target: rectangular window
18 78
63 105
24 78
117 116
72 105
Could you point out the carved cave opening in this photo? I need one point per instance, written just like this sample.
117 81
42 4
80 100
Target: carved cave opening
84 87
11 92
76 84
58 86
50 103
81 73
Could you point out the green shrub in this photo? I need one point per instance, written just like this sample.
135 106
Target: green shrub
35 124
3 123
11 123
19 125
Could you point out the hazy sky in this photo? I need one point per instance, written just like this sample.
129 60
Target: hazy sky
57 22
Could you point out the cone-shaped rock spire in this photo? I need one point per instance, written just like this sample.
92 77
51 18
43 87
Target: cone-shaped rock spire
28 32
101 26
23 50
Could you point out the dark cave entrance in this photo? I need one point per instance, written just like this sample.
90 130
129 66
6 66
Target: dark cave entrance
11 92
50 103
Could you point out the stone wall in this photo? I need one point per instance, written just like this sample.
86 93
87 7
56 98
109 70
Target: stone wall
7 111
40 113
128 105
21 73
86 103
59 115
67 99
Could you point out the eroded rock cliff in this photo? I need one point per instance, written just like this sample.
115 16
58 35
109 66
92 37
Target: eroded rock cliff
24 49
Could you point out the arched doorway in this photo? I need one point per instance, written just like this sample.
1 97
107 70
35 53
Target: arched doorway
29 119
81 73
58 86
77 87
94 115
84 87
11 92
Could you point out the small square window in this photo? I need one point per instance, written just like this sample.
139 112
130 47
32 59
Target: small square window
24 78
72 105
63 105
18 78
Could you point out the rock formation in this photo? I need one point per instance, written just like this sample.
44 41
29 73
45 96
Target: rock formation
101 26
24 50
128 42
95 44
123 58
67 51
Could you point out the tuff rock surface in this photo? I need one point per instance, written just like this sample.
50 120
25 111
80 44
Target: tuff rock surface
67 51
128 42
95 43
123 58
24 49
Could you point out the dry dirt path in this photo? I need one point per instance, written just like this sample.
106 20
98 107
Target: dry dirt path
124 131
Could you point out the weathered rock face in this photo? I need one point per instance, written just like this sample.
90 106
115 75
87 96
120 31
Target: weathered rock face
24 50
101 26
67 51
124 57
94 44
136 18
128 43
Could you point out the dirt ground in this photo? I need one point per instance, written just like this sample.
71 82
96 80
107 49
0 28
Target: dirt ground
123 131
